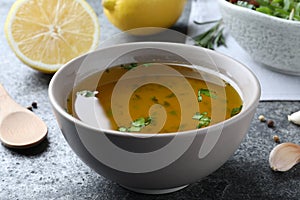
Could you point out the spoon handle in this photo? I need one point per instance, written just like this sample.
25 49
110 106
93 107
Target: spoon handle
7 104
2 91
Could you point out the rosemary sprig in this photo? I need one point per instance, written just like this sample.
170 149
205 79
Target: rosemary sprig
211 38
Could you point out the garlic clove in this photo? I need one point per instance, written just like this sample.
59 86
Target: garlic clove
284 156
295 118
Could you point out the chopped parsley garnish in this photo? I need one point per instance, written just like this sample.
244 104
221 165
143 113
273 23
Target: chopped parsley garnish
109 112
199 96
129 66
137 97
198 115
136 125
206 92
203 119
122 129
167 104
154 99
235 111
173 112
170 95
87 93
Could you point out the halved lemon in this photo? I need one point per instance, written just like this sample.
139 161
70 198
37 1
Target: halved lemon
46 34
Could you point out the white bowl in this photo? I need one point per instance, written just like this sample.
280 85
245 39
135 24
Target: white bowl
269 40
158 163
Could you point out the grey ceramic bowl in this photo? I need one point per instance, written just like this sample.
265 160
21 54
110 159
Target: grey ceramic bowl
269 40
155 163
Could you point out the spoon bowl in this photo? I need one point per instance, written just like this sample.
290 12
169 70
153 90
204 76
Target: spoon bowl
19 127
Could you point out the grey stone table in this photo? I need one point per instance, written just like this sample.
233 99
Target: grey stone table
52 171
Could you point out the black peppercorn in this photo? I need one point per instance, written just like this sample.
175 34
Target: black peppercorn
34 104
270 123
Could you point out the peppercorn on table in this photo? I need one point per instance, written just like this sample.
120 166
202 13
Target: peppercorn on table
52 171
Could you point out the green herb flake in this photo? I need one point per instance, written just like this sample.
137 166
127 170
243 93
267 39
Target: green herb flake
109 113
134 129
197 116
203 119
206 92
154 99
199 96
136 125
122 129
87 93
138 122
148 121
137 97
235 111
173 112
167 104
203 124
170 95
129 66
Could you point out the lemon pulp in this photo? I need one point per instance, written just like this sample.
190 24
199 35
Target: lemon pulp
47 34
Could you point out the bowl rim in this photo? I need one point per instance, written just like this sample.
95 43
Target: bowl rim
252 104
232 6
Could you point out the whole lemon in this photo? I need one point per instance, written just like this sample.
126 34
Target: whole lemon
131 14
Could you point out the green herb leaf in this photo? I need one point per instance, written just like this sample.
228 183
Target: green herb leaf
122 129
170 95
129 66
235 111
203 124
87 93
148 120
134 129
136 125
199 96
167 104
203 119
173 112
154 99
206 92
136 96
138 122
197 116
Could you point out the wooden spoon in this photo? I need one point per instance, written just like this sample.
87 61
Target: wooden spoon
19 127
